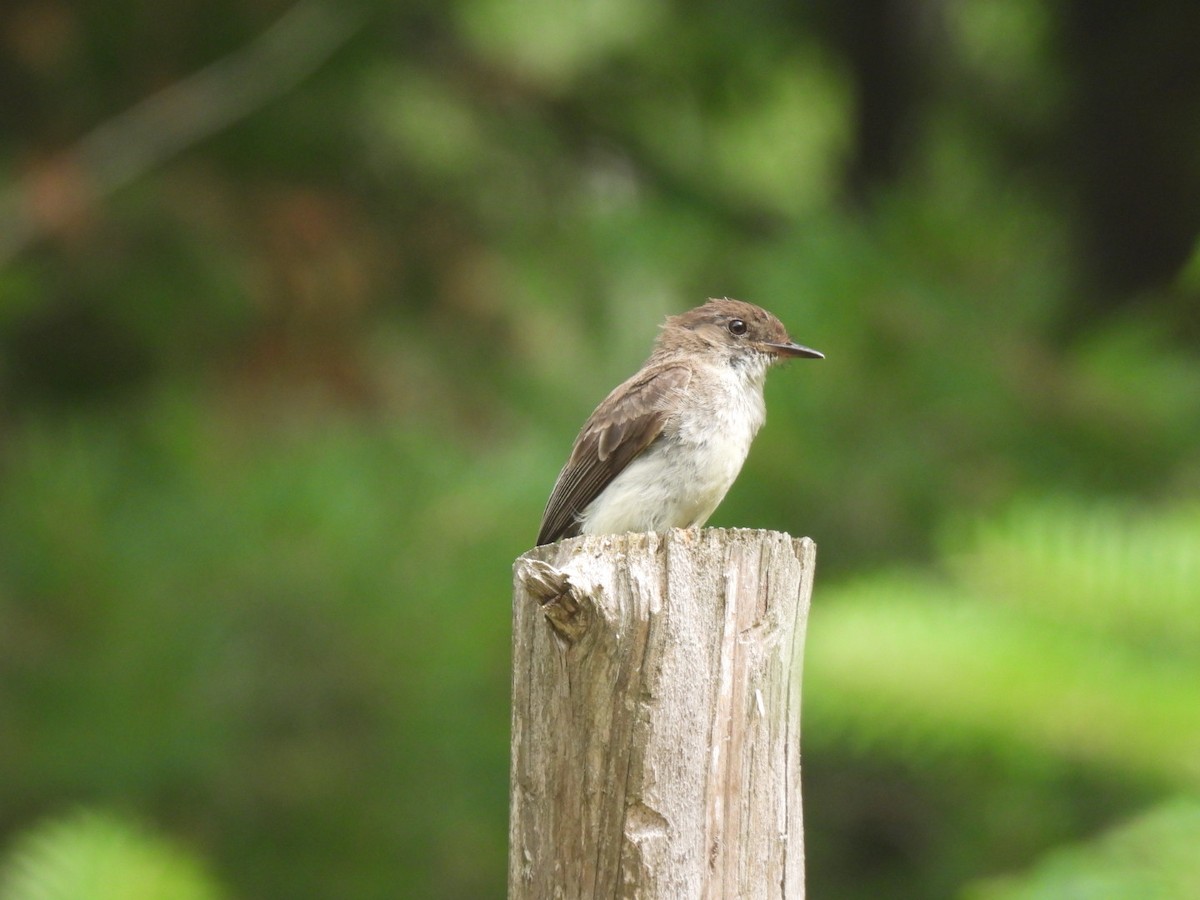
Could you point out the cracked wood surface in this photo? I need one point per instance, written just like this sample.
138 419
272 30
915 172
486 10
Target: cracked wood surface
656 716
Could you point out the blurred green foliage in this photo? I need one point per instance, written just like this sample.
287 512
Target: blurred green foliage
1046 668
102 857
277 414
1153 857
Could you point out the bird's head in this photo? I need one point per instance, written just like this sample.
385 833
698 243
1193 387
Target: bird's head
739 332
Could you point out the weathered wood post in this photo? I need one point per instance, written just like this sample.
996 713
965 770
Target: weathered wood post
656 716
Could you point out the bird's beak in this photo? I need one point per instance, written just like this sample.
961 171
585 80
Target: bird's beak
793 349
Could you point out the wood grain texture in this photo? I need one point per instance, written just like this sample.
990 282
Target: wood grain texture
656 742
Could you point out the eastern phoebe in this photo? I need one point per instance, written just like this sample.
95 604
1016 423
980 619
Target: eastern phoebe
665 446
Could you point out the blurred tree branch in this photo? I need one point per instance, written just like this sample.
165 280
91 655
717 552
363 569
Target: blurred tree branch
118 152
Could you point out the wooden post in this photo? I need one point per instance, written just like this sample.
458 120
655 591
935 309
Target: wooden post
656 716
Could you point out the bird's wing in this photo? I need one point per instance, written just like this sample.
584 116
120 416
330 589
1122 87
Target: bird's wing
624 425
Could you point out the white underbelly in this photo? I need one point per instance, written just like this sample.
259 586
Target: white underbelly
676 483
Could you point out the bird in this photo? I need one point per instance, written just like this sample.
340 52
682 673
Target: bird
664 447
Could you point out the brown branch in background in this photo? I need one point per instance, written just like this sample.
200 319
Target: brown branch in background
126 147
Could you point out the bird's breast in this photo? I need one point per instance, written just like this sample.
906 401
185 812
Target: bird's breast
680 479
713 439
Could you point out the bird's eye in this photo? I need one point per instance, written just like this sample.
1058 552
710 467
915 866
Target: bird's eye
737 326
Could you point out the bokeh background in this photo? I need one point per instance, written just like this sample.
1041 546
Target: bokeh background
302 305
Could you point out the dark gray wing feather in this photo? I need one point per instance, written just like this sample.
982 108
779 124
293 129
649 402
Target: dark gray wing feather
626 423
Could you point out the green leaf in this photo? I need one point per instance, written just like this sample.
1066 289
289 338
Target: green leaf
101 856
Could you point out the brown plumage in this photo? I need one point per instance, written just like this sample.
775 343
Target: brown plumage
704 374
